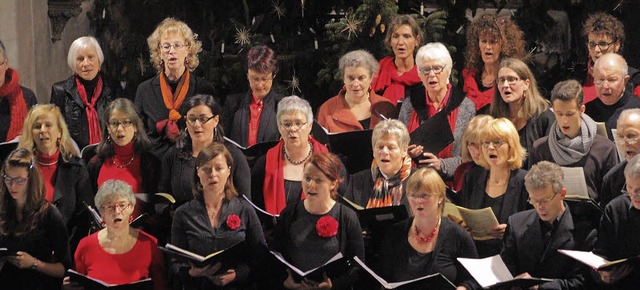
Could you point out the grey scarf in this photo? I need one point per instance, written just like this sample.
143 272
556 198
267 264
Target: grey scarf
566 151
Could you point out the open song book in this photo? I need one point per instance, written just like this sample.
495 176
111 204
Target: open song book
333 267
598 263
89 283
223 256
492 273
433 281
480 221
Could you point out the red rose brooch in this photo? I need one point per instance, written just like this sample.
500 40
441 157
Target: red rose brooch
327 227
233 221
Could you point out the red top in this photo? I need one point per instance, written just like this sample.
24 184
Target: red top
254 120
471 87
126 158
142 261
48 166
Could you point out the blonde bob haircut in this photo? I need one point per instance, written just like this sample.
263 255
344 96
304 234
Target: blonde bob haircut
471 134
172 26
65 144
503 129
428 180
393 128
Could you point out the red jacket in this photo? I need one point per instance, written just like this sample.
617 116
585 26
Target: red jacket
335 114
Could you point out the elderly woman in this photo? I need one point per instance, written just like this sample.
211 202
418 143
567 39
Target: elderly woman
489 39
14 98
604 34
281 184
31 227
312 231
250 118
519 100
174 53
426 243
355 107
470 148
398 72
498 183
214 220
119 254
123 152
437 94
573 140
83 97
202 114
65 177
385 183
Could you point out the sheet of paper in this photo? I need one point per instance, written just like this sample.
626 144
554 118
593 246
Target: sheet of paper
487 271
575 182
588 258
480 221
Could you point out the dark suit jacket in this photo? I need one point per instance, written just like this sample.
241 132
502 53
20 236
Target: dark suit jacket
534 130
609 114
151 108
65 95
612 184
523 250
236 115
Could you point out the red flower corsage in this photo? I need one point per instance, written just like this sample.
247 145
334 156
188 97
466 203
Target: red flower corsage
327 227
233 221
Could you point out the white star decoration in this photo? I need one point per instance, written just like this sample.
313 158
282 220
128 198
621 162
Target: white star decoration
294 84
278 9
351 25
243 37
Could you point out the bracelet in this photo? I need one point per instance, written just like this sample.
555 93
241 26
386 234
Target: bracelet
35 264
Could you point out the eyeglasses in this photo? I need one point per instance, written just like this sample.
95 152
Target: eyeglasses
602 45
542 201
120 207
600 82
436 69
629 140
496 143
293 126
259 80
3 62
422 195
510 79
166 47
192 120
115 124
17 180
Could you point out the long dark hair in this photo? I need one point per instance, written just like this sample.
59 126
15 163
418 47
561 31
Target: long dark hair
141 142
184 143
35 204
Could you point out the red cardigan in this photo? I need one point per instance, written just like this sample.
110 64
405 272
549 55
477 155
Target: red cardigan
335 114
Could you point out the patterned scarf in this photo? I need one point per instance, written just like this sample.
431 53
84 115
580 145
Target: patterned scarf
567 151
17 106
172 102
95 134
388 192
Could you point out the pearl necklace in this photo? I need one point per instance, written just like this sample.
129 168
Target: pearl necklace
46 164
286 156
430 237
125 165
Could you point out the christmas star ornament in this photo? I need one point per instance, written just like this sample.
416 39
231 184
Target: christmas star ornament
243 37
294 84
278 9
351 24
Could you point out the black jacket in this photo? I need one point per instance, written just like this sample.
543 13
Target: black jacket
151 108
237 113
65 95
524 250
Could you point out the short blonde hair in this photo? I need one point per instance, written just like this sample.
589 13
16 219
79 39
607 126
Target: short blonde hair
67 150
173 26
503 129
471 134
391 127
428 179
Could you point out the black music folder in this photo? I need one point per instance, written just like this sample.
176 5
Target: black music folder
434 134
94 284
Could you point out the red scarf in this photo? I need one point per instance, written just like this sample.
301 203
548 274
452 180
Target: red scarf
470 87
48 165
274 196
589 88
95 135
173 102
17 106
393 84
414 120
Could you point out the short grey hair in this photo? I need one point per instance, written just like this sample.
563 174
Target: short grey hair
80 44
294 103
358 58
434 51
626 113
393 128
114 188
632 170
614 60
543 174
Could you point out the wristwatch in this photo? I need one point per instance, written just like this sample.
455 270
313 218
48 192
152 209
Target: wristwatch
35 264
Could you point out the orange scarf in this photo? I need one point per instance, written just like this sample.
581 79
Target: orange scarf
173 102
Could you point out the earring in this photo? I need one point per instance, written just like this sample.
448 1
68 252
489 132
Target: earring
439 202
109 138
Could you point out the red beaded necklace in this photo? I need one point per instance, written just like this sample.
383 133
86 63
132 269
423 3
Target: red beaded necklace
430 237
